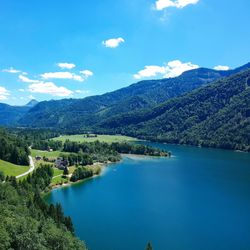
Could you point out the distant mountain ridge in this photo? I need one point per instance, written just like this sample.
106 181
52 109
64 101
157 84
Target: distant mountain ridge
85 113
10 115
216 115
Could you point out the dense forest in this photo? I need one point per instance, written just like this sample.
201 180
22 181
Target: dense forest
13 149
84 173
27 222
101 152
216 115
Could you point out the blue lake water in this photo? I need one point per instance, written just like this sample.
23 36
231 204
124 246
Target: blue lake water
199 199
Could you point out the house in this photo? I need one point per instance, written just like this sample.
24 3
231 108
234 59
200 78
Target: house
61 163
50 149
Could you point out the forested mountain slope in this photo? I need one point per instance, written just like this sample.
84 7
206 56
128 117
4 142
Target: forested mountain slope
84 113
9 115
216 115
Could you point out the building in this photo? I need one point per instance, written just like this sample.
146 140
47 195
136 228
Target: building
61 163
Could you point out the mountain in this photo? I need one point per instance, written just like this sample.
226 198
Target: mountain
32 103
75 114
10 115
216 115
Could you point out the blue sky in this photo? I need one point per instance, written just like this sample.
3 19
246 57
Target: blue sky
71 49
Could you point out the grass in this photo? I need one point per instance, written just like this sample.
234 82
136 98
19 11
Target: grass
53 154
101 138
57 171
58 179
12 169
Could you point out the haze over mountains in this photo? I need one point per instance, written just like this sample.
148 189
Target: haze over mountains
193 108
10 115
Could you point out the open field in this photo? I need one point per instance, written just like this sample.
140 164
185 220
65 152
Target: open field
47 154
101 138
12 169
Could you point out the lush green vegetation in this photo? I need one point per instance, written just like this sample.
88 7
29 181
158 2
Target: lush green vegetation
78 159
27 222
90 152
138 149
82 173
13 149
92 138
39 139
216 115
46 154
11 169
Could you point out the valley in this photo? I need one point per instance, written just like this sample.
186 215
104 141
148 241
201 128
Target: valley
124 125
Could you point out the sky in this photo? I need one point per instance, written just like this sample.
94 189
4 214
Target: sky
54 49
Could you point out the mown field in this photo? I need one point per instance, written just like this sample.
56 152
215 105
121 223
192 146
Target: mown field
12 169
47 154
101 138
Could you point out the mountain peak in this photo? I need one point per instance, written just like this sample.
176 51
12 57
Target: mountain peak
32 103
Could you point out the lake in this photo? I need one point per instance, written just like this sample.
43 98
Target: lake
197 199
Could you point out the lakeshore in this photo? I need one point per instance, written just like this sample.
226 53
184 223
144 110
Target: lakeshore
164 196
104 166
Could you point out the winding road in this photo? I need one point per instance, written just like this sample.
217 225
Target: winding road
32 167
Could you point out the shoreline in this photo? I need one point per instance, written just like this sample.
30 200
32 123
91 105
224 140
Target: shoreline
103 166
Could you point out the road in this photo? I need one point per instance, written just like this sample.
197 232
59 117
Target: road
32 167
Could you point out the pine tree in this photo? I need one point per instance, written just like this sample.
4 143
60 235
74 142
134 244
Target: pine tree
65 171
149 246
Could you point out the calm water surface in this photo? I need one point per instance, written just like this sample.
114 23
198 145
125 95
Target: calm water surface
198 199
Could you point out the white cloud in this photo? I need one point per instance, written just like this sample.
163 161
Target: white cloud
21 90
170 70
12 70
49 88
163 4
85 92
113 43
220 67
87 73
27 80
66 65
62 75
4 93
150 71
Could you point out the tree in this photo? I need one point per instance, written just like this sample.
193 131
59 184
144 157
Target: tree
65 171
149 246
2 177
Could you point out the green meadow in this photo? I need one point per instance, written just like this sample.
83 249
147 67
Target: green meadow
101 138
11 169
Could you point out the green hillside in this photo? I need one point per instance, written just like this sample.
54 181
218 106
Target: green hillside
216 115
11 169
